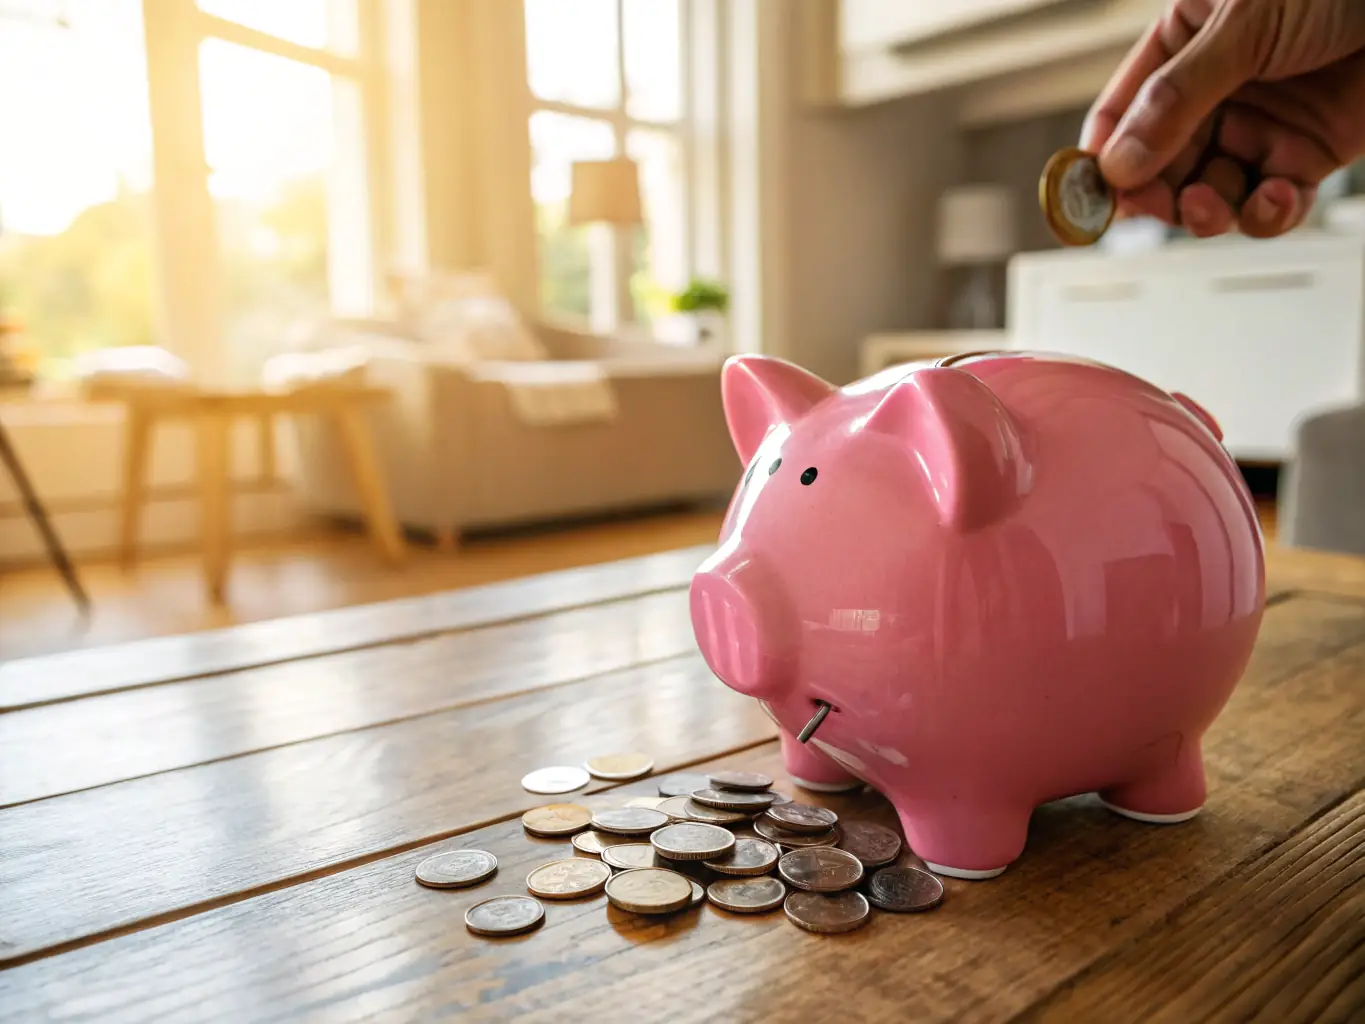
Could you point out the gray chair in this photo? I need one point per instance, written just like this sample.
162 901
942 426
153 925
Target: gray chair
1322 488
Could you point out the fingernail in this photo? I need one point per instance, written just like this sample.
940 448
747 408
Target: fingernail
1128 158
1263 208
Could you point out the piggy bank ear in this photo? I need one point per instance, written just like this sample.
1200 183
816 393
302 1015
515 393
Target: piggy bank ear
961 439
760 392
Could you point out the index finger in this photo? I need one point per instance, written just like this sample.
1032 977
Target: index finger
1143 60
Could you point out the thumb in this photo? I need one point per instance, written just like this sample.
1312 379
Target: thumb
1177 98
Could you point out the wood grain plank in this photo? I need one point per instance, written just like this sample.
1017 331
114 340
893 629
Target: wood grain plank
28 681
140 732
1282 938
82 864
368 943
1304 569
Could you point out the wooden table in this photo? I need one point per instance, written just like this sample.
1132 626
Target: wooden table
225 826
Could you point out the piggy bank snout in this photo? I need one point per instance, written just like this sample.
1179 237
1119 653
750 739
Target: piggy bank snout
727 618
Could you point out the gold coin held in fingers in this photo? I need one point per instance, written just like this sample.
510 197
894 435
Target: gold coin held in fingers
1077 202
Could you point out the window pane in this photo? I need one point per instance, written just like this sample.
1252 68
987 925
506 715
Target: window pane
653 81
661 247
571 51
284 148
76 268
557 140
321 24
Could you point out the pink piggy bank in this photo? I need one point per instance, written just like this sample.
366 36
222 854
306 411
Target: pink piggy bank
1012 579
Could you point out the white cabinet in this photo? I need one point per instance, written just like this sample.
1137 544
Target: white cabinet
1260 333
859 52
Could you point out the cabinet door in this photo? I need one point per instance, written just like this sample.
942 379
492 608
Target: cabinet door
1265 346
1110 317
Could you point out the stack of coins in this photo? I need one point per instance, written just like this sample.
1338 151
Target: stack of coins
727 838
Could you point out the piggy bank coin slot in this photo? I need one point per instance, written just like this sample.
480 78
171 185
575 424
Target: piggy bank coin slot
822 709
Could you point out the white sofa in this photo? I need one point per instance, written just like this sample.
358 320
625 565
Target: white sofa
601 425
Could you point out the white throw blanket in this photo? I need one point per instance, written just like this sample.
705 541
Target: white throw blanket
553 392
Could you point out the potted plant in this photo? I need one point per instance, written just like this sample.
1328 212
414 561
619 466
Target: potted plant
705 303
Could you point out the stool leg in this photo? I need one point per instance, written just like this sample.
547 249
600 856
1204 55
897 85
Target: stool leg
213 496
55 550
136 447
267 441
369 482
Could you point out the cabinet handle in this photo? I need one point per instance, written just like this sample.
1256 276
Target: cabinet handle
1108 292
1290 281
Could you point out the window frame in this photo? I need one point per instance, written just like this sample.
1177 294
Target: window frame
611 307
186 248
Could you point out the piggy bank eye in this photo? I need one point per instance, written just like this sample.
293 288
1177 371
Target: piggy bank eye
773 468
809 475
750 475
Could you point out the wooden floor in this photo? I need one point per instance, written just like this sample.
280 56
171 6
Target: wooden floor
326 569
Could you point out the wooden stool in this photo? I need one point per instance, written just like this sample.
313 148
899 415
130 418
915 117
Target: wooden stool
213 413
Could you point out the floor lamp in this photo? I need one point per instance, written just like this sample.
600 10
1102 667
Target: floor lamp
605 196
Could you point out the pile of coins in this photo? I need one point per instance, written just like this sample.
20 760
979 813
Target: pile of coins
693 844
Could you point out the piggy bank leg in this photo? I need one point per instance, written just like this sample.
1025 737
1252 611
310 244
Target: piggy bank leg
812 770
966 842
1170 794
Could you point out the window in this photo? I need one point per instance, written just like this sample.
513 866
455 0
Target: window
605 78
283 137
90 244
76 256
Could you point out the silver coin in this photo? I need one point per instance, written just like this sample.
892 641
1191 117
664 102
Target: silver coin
750 782
456 869
698 894
629 821
630 855
595 842
732 799
746 857
779 798
804 818
684 808
682 784
690 840
561 779
874 845
765 828
820 869
904 890
747 895
504 915
826 913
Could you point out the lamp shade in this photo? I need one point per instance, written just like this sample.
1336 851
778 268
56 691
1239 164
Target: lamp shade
976 225
605 191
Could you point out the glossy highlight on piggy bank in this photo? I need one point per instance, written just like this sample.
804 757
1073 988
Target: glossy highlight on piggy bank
1012 579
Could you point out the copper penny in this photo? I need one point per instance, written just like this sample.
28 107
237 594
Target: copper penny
828 914
749 782
874 845
820 869
904 890
804 818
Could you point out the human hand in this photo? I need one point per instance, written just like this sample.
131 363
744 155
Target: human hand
1230 112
